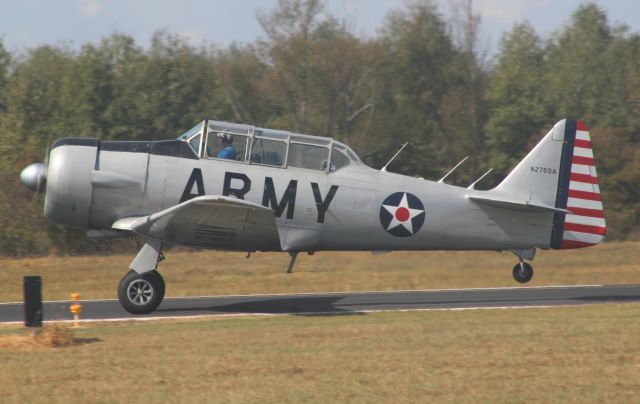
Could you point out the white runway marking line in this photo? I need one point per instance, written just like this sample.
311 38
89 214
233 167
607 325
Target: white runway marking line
312 313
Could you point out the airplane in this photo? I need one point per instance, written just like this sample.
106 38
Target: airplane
290 192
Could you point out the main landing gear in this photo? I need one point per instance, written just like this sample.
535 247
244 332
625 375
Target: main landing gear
522 271
142 289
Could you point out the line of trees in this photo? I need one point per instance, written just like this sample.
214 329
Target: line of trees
422 79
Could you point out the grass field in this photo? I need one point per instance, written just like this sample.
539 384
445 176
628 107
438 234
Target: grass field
586 354
193 273
572 354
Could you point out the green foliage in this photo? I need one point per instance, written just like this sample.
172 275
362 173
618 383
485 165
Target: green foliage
418 77
619 174
422 79
243 86
516 96
581 75
5 60
587 70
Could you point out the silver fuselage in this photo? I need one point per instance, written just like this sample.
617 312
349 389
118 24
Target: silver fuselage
92 187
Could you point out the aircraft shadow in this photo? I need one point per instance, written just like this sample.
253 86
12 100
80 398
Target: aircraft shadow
304 306
337 305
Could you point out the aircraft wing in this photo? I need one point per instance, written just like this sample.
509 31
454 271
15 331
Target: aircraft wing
216 222
508 203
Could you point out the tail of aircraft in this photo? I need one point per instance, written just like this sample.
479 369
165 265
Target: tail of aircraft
560 174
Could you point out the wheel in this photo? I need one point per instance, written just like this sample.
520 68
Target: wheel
522 272
141 293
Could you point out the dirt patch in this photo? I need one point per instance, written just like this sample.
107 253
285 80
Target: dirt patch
50 336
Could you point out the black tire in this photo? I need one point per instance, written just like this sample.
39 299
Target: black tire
141 293
522 272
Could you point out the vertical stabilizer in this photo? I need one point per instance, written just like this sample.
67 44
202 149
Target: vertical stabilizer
560 172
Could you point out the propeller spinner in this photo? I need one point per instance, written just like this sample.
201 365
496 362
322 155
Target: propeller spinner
34 177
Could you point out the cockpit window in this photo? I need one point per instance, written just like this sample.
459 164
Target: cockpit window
194 142
346 150
338 159
308 156
186 135
268 152
351 154
276 148
226 146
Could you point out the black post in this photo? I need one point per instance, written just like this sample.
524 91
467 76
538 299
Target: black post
33 301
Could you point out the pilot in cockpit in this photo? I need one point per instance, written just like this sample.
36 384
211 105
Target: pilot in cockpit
227 151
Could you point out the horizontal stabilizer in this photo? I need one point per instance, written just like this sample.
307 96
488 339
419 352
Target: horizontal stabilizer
512 204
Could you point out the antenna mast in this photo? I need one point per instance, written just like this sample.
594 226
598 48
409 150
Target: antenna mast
394 156
472 186
453 169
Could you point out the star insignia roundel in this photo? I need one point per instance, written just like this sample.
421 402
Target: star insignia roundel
402 214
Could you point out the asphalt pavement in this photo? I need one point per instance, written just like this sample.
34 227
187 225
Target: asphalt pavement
342 303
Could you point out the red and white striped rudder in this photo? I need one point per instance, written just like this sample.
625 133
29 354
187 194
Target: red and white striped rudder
578 192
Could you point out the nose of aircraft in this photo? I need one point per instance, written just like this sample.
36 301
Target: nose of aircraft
34 177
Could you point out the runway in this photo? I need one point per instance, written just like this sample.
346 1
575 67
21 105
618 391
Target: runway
342 303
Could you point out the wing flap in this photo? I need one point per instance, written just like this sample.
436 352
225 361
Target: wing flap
215 222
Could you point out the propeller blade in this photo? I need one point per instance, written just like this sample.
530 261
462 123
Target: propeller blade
46 167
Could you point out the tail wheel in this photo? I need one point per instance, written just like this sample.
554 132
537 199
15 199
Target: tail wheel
141 293
522 272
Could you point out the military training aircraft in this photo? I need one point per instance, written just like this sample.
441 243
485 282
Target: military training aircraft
227 186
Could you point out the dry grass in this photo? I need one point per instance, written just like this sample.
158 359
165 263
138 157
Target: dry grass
191 273
50 336
586 354
542 355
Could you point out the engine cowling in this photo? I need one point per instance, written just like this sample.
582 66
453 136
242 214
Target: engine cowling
68 193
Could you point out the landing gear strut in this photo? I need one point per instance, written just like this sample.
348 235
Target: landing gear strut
522 271
293 255
142 289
